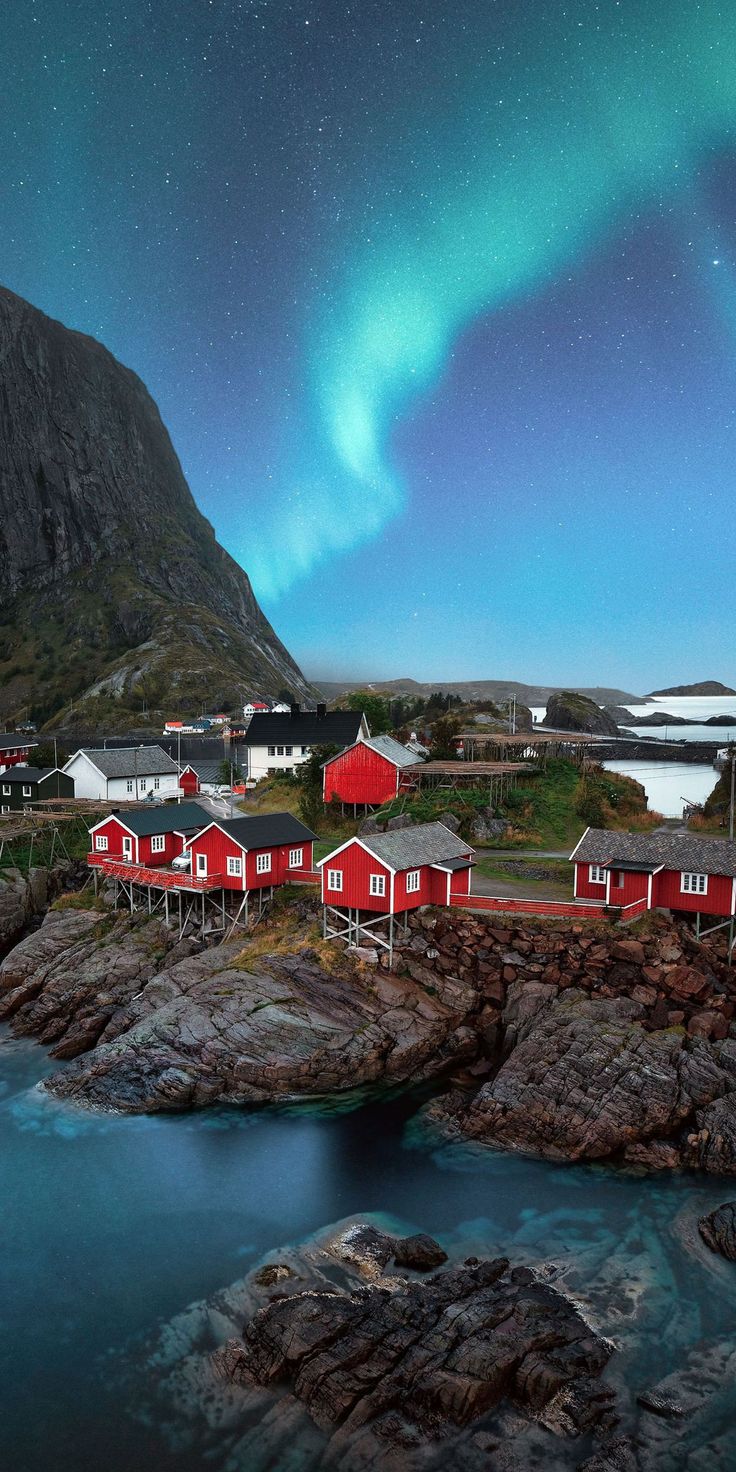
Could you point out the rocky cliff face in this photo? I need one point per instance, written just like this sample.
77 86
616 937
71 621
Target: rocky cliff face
569 711
111 581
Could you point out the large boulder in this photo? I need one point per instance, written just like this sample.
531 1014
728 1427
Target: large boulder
585 1081
718 1229
569 711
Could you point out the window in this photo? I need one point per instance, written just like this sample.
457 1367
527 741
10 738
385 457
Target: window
305 751
100 843
26 790
263 863
296 858
272 750
142 783
129 784
334 879
288 751
157 783
694 883
158 843
412 881
279 750
6 789
5 808
235 867
596 874
378 885
201 864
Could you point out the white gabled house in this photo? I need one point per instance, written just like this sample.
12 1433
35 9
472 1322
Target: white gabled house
129 773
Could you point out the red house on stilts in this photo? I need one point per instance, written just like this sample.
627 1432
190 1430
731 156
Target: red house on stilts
381 875
639 871
368 773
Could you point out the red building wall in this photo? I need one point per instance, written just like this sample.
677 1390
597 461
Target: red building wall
667 892
189 782
356 865
360 775
14 754
173 846
114 832
627 886
218 847
584 890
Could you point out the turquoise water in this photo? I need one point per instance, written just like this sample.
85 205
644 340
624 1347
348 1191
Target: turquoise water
112 1225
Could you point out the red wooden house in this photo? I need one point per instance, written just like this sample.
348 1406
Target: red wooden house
253 853
152 836
649 871
368 773
14 748
390 873
189 781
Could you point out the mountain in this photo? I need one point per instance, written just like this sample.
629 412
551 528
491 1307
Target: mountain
704 687
113 589
476 690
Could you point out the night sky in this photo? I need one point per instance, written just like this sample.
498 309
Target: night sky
437 300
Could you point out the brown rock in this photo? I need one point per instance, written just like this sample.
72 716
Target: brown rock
629 950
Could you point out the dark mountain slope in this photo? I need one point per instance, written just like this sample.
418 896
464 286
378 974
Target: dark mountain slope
111 581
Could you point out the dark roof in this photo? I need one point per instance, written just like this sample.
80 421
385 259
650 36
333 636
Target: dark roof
181 817
680 851
28 774
455 864
14 739
127 761
334 728
207 769
406 848
267 831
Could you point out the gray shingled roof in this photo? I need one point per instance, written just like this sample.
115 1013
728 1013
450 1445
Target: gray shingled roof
175 817
681 851
389 747
266 830
125 761
407 848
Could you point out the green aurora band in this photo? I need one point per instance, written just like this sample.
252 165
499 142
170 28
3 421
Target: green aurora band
490 192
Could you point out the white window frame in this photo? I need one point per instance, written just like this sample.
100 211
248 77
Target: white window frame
158 843
596 874
296 858
157 783
288 751
272 750
413 881
6 789
101 844
691 883
263 863
334 880
201 866
27 790
234 867
129 784
377 886
5 808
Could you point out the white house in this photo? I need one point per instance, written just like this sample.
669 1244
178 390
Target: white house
280 743
127 773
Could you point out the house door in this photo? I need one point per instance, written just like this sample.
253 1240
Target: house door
128 849
201 866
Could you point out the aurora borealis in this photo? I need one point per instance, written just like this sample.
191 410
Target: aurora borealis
437 302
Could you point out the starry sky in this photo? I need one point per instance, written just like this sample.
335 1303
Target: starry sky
437 300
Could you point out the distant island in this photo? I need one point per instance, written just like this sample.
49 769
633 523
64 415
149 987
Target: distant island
703 687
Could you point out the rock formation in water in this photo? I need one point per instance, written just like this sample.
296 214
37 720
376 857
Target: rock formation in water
718 1229
111 581
567 711
341 1358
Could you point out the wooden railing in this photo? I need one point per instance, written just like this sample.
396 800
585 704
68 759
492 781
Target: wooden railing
567 908
162 878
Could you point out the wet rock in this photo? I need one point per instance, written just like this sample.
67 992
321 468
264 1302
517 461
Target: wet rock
718 1230
419 1252
660 1403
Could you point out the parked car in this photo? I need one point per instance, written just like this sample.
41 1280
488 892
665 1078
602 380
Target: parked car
182 861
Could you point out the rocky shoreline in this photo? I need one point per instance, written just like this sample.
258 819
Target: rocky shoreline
569 1041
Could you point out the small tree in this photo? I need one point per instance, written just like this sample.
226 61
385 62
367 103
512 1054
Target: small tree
375 708
229 773
309 776
444 733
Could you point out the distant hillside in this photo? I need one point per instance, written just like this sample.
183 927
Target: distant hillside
479 690
704 687
114 592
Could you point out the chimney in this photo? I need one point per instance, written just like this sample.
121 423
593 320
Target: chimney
295 710
321 712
